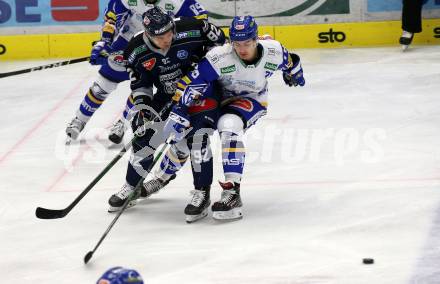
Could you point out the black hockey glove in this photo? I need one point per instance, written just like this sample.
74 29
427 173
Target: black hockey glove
144 114
149 116
141 123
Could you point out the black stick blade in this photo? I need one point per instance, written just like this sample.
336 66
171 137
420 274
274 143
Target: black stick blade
43 213
88 257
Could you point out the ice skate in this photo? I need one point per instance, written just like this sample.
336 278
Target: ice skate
74 128
199 205
153 186
117 132
229 206
406 39
117 200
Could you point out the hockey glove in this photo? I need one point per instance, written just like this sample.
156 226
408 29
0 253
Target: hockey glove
142 122
177 124
295 76
138 124
100 52
145 113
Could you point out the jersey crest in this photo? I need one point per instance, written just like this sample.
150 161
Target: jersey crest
149 64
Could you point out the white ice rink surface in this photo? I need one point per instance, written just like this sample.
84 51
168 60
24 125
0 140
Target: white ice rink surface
347 167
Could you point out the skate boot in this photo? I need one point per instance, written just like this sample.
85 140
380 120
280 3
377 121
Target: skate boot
229 206
117 132
74 128
199 204
153 186
117 200
406 39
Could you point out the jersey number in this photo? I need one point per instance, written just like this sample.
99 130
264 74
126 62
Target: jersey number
200 156
214 33
196 8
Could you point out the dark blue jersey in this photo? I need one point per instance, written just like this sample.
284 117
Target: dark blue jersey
149 66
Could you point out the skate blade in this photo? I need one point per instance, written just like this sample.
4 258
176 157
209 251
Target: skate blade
112 209
193 218
405 47
231 215
68 141
115 139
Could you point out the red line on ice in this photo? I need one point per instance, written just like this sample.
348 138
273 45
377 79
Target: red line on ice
41 122
64 173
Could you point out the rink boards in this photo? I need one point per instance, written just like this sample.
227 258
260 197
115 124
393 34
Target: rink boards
294 36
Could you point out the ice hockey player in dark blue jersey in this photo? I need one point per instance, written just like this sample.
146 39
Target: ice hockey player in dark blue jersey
122 20
158 58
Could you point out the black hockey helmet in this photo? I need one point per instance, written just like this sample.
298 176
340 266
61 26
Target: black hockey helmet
157 22
151 1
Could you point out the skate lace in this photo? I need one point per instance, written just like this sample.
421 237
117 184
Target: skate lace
198 197
153 186
125 191
227 196
117 128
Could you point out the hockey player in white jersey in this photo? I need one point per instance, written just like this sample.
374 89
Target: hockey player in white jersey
242 69
122 20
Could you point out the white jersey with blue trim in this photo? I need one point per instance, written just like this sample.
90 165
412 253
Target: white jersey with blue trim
241 80
130 21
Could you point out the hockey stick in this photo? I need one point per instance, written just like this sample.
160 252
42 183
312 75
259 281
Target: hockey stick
43 67
44 213
67 62
164 149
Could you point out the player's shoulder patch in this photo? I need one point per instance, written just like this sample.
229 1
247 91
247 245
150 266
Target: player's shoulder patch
188 28
172 6
136 52
136 5
135 47
273 48
219 54
188 34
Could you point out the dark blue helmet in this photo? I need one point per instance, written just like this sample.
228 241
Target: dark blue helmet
119 275
243 28
157 22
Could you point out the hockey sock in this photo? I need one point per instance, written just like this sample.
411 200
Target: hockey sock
128 106
91 102
233 156
136 171
140 160
172 162
201 160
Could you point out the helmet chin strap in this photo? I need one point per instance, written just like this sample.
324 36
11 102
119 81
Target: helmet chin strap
151 39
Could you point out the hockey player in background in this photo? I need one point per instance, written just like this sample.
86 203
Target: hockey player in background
242 69
120 275
411 21
122 20
159 57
